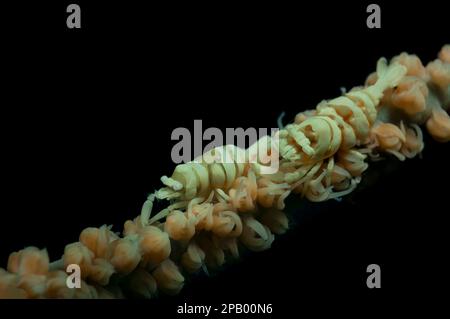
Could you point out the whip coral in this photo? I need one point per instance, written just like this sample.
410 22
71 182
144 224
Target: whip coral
217 208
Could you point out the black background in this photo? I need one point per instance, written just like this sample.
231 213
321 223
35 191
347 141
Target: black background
87 116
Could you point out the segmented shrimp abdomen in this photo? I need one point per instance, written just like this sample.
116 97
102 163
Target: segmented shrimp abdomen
216 169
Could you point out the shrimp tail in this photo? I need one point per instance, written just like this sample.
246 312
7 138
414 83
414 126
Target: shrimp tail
388 77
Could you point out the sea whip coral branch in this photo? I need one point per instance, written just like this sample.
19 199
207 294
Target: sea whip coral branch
216 208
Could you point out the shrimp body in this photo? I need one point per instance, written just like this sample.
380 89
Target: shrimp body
216 169
340 123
